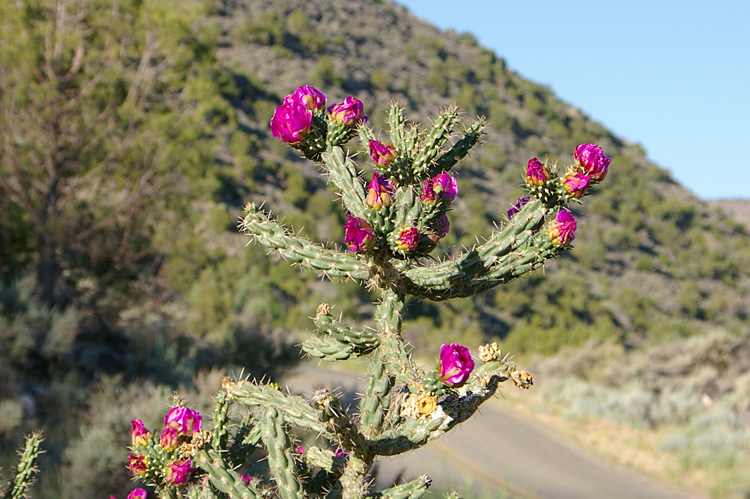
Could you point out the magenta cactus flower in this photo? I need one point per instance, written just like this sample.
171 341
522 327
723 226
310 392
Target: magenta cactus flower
455 364
184 420
537 173
520 203
379 192
178 472
137 464
442 186
408 239
562 231
348 113
291 121
591 158
576 184
359 235
139 435
138 494
340 452
300 450
170 438
310 96
382 154
246 479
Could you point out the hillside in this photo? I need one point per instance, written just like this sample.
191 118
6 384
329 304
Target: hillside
124 170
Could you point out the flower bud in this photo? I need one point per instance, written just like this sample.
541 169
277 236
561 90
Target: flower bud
184 420
408 239
576 184
138 494
348 113
359 235
591 158
310 96
442 186
170 439
291 121
537 173
379 192
455 364
139 435
562 230
382 154
520 203
178 472
137 464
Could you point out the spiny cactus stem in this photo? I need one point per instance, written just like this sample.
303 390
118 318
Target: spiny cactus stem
377 397
354 477
271 234
278 447
441 129
388 316
410 490
221 419
26 467
396 125
222 477
459 150
344 176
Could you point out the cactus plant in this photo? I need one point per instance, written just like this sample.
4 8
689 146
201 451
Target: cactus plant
393 224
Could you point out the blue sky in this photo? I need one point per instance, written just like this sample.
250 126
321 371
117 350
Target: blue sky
673 76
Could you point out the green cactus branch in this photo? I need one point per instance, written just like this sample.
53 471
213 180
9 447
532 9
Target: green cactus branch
26 467
342 172
272 234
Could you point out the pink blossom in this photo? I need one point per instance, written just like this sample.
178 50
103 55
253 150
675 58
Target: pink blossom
576 184
455 364
138 494
291 121
170 438
408 239
310 96
537 173
379 192
178 472
593 161
349 112
137 464
562 231
139 435
358 234
185 420
382 154
442 186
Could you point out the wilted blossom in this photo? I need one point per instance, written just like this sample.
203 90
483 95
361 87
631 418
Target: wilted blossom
537 173
137 464
359 235
349 112
520 203
593 161
139 435
408 239
562 231
442 186
178 472
379 192
442 226
455 364
138 494
291 121
308 95
576 184
170 438
381 153
185 420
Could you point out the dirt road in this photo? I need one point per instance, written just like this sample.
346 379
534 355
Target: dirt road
499 454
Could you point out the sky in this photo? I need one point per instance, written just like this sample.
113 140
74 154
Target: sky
673 76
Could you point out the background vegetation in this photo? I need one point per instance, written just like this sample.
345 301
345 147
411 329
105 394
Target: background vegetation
132 133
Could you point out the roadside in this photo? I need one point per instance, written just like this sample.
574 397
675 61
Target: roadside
501 453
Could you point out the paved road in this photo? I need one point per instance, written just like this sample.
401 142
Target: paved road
497 453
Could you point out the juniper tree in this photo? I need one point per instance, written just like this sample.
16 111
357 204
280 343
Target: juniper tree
394 223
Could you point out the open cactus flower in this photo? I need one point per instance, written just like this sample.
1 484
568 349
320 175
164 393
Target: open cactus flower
395 216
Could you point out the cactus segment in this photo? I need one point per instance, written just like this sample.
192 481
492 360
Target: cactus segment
396 125
221 420
434 141
222 477
377 397
329 349
26 467
272 234
360 338
459 150
410 490
344 176
281 462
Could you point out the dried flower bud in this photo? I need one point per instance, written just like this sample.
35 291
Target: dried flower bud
562 231
426 404
490 352
455 364
591 158
522 379
323 309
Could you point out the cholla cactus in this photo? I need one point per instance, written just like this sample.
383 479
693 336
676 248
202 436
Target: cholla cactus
393 223
26 468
